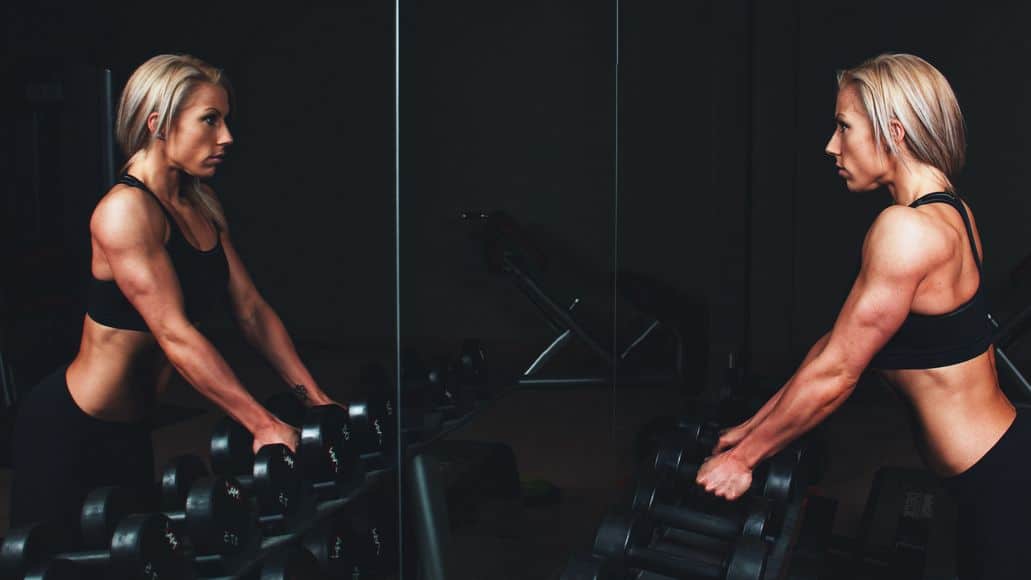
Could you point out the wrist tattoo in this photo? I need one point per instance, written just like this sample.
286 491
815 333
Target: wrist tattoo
300 392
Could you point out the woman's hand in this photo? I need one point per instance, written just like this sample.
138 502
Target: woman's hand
731 437
277 432
725 476
316 398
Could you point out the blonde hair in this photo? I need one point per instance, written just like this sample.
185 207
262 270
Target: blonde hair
163 85
910 90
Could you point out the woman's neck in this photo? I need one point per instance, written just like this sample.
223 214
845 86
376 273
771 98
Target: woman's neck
914 179
158 175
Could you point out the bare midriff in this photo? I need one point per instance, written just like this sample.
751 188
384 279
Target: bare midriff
959 411
117 374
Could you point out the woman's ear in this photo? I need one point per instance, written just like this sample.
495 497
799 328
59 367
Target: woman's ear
152 126
898 132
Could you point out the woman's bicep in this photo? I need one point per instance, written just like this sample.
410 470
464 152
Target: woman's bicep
135 253
881 297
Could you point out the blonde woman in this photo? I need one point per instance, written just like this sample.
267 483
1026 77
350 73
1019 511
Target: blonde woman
916 312
162 263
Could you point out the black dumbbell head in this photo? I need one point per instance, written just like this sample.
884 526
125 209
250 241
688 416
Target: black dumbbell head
178 478
232 448
277 479
620 532
104 508
748 560
328 451
286 407
777 477
145 546
29 546
337 544
219 517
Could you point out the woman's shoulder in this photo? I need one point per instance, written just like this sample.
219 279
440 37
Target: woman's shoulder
126 211
903 234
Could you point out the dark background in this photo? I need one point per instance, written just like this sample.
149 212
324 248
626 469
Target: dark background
720 186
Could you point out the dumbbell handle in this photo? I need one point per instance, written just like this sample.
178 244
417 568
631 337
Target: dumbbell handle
87 558
697 563
725 527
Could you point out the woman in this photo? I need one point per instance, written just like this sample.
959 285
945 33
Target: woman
916 312
162 263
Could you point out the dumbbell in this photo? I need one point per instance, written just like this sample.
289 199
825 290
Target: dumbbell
755 518
357 541
217 518
773 478
374 417
272 475
142 546
699 436
288 563
330 462
626 539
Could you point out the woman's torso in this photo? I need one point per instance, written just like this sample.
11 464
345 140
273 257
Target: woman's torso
119 368
959 411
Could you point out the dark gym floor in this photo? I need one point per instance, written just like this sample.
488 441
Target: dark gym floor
568 437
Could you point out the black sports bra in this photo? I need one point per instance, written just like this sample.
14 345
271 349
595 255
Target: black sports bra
203 276
930 341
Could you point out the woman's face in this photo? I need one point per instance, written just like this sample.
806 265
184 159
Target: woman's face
862 161
200 136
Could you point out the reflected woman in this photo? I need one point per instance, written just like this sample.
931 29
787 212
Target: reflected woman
162 264
916 312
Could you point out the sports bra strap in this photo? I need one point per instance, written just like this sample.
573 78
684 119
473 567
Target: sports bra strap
133 181
954 201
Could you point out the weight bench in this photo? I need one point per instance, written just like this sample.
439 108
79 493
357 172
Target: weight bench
509 250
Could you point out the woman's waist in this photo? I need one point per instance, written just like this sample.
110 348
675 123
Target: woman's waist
119 387
958 431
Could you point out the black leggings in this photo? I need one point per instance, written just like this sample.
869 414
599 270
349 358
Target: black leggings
60 453
994 501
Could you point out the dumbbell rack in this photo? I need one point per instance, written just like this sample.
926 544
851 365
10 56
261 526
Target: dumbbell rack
324 511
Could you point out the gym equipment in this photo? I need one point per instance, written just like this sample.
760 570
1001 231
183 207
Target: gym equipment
755 518
217 521
654 312
374 417
272 476
908 527
773 478
355 543
143 546
329 457
288 563
626 540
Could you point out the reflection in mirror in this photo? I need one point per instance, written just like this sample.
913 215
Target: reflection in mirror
730 193
507 212
198 300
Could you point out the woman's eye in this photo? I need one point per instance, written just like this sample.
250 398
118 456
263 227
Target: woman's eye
210 120
842 127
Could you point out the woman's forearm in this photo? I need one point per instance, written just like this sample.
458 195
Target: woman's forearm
201 365
767 407
804 403
265 331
